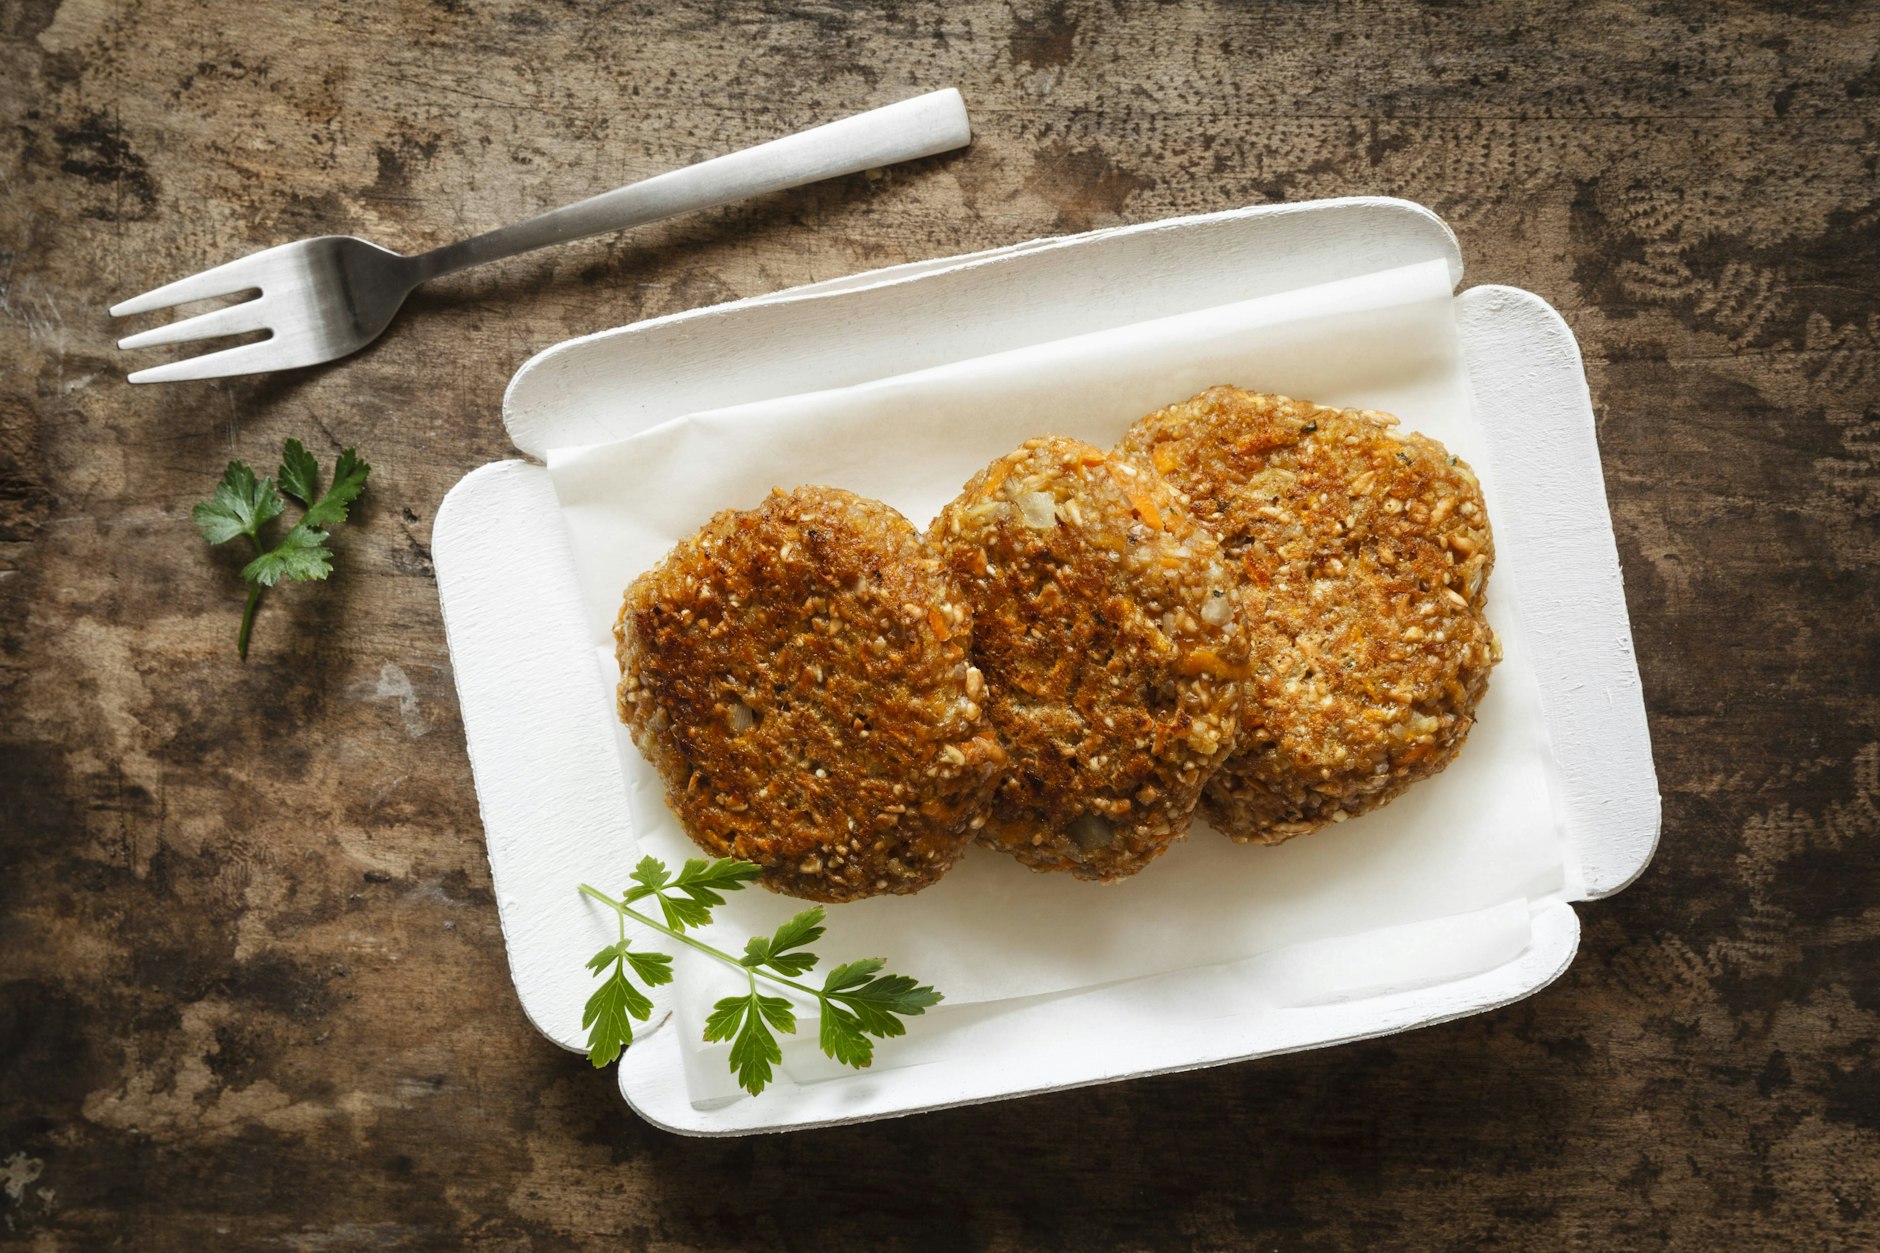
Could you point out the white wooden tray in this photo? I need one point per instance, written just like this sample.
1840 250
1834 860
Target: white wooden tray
540 728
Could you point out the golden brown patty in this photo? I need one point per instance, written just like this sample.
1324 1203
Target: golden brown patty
798 674
1104 619
1366 556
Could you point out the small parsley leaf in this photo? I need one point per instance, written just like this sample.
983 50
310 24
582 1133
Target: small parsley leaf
349 479
299 473
850 975
754 1051
651 875
722 1022
653 968
688 900
842 1038
883 1001
804 928
302 554
243 506
683 912
240 506
705 879
860 1002
777 1012
607 957
606 1017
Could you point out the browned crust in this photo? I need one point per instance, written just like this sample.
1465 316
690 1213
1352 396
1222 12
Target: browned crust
1366 556
1113 685
798 674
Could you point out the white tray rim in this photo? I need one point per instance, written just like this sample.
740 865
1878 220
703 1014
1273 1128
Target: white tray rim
651 356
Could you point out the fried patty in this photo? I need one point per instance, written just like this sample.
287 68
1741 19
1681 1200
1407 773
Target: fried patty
1104 620
1366 556
799 675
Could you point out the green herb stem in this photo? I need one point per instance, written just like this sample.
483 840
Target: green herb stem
254 601
248 620
627 911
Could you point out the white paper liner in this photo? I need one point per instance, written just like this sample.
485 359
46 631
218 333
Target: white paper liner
1480 836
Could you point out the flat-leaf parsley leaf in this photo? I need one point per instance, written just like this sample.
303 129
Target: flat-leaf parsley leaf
244 505
856 1001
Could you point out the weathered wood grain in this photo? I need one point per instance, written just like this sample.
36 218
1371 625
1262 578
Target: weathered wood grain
253 992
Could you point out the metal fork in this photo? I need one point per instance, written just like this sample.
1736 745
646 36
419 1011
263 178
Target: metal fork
322 298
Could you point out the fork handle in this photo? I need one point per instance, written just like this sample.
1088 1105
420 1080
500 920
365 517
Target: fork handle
919 127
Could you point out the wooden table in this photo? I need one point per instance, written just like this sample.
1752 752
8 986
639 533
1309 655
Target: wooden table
253 988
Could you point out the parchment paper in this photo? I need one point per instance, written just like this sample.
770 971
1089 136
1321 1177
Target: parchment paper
1481 835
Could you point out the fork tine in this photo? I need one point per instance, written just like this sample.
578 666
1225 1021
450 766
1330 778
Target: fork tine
233 320
231 276
242 359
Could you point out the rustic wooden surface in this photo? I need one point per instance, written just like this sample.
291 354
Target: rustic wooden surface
252 990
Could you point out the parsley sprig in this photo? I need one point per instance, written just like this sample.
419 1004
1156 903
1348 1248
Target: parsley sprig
244 505
857 1004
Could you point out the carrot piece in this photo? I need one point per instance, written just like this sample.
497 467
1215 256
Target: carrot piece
1139 500
1146 510
1207 661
